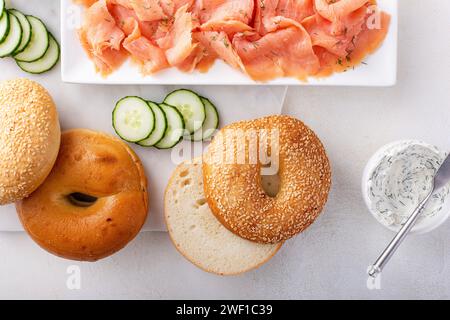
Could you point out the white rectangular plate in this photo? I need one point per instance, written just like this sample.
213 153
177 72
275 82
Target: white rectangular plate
380 70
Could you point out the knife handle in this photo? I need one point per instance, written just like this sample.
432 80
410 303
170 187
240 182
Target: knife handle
387 254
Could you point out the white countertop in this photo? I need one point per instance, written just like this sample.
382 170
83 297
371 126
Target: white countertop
330 258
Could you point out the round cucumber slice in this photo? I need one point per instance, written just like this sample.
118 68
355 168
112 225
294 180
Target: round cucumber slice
4 26
160 126
133 119
14 37
26 29
39 43
190 106
46 63
175 127
211 122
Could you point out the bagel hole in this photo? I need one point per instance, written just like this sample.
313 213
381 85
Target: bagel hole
270 180
271 185
82 200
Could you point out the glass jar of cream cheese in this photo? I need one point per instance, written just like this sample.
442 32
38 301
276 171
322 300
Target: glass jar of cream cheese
397 178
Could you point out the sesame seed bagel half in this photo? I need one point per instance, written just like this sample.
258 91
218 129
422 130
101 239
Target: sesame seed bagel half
199 236
277 145
29 138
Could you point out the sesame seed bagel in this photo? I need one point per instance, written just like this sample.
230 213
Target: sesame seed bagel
234 164
93 203
29 138
199 236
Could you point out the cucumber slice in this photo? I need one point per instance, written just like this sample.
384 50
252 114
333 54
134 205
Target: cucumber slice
175 127
38 45
160 126
46 63
2 8
190 106
133 119
4 26
211 123
26 29
12 41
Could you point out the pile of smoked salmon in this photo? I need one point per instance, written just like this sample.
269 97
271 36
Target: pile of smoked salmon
264 39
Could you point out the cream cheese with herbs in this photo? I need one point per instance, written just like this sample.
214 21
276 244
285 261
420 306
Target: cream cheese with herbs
401 179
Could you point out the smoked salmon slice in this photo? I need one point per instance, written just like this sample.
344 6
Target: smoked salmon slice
284 53
195 58
102 38
336 11
370 39
264 39
268 13
122 15
101 29
171 7
321 31
148 10
365 43
151 57
230 27
178 43
106 62
221 46
223 10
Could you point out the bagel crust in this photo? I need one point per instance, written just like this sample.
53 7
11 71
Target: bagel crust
99 166
234 189
29 138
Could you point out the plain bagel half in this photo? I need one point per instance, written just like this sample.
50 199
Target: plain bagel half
199 236
93 203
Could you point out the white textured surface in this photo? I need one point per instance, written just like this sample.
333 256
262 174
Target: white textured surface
329 259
